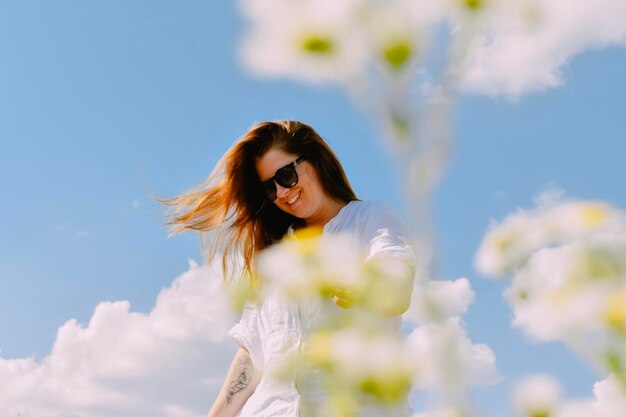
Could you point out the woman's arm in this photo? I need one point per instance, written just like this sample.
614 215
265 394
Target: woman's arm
241 381
386 240
397 292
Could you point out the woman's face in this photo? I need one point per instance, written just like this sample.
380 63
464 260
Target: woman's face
305 200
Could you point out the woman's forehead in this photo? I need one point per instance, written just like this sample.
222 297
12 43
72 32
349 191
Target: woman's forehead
272 160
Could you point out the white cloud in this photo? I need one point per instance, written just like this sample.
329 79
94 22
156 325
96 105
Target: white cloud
447 358
527 43
169 362
610 400
439 299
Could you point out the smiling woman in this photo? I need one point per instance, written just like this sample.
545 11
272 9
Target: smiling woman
278 178
234 199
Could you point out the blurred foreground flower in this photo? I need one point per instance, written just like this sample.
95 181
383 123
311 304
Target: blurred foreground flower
540 395
510 243
354 344
448 412
309 265
317 41
568 262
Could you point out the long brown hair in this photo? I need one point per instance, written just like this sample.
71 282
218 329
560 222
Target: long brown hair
229 209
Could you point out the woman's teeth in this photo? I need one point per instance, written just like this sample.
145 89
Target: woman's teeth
293 200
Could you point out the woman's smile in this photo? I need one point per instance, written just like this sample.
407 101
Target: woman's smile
294 198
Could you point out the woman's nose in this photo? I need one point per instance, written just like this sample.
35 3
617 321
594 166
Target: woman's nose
280 190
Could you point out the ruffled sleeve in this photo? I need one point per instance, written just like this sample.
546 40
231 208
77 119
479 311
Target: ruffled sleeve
385 234
246 334
386 240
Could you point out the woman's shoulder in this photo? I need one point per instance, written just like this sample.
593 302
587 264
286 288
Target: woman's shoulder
368 206
362 213
353 212
381 230
374 210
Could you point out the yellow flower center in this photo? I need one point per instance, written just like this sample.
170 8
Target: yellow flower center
597 265
398 54
307 240
473 5
318 45
503 243
593 215
615 313
320 347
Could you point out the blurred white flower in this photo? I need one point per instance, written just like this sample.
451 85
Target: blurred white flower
478 13
569 285
569 293
442 413
375 364
577 408
309 266
318 41
396 36
355 365
540 395
576 294
537 395
358 349
508 244
360 352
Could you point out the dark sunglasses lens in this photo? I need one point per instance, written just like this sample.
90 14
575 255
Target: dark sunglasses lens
286 176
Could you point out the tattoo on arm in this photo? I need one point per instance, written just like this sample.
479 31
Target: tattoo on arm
241 377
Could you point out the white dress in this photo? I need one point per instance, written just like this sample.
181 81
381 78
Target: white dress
272 329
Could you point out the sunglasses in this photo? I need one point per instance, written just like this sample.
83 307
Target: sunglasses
286 177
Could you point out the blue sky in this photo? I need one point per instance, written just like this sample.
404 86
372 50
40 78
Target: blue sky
104 103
